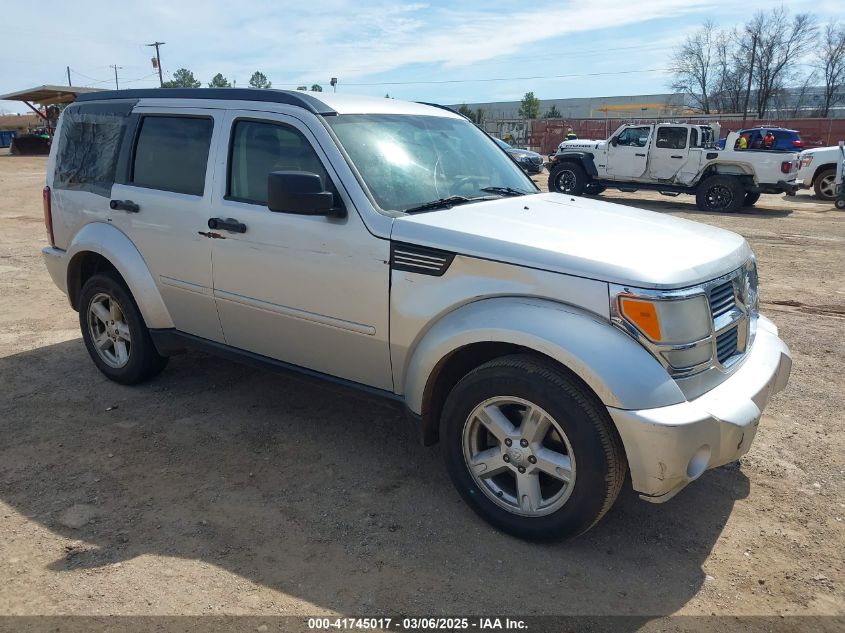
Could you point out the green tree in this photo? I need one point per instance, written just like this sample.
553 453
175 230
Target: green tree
182 78
219 81
552 113
259 80
530 106
479 116
465 110
316 88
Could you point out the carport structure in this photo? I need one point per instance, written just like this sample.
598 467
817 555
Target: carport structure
46 96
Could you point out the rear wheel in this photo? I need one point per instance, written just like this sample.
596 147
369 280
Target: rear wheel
720 193
114 332
568 178
825 185
530 450
750 199
594 189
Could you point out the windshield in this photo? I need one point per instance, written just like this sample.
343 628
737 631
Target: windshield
407 160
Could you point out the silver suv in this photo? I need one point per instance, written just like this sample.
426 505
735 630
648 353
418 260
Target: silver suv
550 343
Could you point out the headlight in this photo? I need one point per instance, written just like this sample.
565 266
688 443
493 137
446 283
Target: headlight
675 326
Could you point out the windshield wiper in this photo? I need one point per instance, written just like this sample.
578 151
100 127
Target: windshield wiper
443 203
505 191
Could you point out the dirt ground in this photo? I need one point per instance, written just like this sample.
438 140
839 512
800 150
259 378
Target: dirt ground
218 489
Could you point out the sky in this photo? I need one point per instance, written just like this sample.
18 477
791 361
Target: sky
444 51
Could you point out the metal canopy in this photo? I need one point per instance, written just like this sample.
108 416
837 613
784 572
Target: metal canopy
48 95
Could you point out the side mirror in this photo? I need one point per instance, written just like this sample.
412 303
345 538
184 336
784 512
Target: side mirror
300 192
614 141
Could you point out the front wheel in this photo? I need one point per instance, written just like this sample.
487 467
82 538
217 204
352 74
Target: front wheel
569 178
531 450
594 189
825 185
720 193
114 332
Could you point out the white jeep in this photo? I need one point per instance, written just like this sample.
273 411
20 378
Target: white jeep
549 343
673 158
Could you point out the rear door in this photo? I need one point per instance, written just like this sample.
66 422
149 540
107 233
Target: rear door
628 158
669 152
169 178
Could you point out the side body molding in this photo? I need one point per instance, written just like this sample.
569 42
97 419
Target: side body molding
106 240
619 370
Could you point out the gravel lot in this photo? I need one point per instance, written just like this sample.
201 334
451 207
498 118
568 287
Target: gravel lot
218 489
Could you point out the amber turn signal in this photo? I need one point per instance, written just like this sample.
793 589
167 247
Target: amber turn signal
643 314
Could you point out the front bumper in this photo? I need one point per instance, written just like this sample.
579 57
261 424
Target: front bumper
669 447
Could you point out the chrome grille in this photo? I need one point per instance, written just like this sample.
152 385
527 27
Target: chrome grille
722 299
727 343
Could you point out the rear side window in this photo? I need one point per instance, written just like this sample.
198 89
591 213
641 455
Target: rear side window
171 154
693 137
259 148
672 137
89 145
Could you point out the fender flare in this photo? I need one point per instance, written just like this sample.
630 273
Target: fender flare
617 368
585 159
112 244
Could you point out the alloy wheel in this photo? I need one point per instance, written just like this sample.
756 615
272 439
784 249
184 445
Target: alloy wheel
519 456
109 330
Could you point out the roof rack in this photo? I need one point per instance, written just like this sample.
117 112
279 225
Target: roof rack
288 97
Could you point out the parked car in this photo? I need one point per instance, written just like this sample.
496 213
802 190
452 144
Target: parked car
785 140
549 343
672 158
532 162
818 171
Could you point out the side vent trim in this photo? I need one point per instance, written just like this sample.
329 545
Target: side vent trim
419 259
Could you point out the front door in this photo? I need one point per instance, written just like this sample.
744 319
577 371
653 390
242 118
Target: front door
311 291
668 153
170 179
627 159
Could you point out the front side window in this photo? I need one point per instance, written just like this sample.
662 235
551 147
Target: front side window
634 137
259 148
171 154
671 137
408 160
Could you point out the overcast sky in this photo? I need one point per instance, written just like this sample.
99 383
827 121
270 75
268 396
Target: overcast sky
455 51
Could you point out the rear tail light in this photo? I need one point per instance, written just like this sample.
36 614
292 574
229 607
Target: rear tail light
798 143
786 166
48 214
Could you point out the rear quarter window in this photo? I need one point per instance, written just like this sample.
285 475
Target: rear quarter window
89 145
171 153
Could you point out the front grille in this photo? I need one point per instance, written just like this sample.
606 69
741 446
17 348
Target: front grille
722 299
726 344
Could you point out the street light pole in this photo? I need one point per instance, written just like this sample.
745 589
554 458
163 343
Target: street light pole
158 62
750 74
116 67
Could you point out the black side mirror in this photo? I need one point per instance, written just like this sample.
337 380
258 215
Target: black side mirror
614 141
300 192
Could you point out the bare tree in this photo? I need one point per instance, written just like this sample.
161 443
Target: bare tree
780 43
695 67
830 61
731 73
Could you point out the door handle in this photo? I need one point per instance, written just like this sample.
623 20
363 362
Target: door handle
639 154
677 156
124 205
229 224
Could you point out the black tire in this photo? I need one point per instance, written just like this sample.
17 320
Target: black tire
840 203
597 450
750 199
825 179
720 193
594 189
144 361
569 178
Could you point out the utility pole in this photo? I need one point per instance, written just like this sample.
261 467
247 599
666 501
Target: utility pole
68 76
158 61
116 67
750 74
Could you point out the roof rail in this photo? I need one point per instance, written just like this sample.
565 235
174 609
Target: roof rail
269 95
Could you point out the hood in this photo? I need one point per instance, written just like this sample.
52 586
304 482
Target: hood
582 143
582 237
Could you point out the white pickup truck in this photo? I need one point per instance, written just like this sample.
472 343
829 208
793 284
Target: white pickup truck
673 158
818 170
